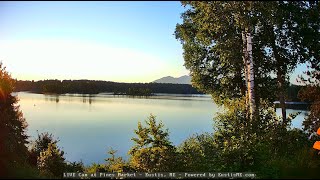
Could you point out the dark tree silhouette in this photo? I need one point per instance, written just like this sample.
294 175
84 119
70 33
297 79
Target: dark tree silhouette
13 138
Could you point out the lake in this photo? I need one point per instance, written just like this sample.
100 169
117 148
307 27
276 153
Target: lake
87 126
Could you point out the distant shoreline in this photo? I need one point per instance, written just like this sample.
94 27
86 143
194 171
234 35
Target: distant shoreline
112 94
96 87
294 105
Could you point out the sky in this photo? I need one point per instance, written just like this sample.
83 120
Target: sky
114 41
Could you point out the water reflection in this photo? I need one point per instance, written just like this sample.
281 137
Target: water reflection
87 130
52 98
297 121
72 97
88 125
88 99
84 98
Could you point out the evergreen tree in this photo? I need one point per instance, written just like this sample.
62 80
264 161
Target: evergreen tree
51 162
40 144
116 164
13 138
152 152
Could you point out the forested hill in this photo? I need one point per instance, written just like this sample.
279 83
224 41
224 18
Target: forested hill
94 87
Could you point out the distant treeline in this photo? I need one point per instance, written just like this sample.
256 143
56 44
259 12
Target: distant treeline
95 87
292 92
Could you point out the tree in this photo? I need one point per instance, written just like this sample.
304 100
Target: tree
311 92
311 44
248 60
265 146
281 32
116 164
51 162
240 143
152 151
199 153
94 168
216 38
13 138
39 145
312 121
74 167
37 157
290 32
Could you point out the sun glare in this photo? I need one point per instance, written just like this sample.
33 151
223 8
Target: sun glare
69 59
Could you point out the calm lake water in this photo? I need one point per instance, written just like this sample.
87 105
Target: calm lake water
87 126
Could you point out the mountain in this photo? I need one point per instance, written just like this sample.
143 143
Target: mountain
169 79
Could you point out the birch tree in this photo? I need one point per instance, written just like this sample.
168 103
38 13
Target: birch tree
215 37
249 71
218 49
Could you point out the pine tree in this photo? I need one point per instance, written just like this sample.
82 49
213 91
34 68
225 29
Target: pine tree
152 152
13 137
51 162
40 144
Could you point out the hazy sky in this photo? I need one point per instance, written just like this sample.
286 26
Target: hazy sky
115 41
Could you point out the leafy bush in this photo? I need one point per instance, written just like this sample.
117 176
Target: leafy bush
198 153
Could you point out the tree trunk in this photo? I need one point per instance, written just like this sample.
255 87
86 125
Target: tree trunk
281 80
251 77
244 40
280 74
249 70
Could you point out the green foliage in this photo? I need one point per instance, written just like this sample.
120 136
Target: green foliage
211 35
311 93
13 137
239 138
6 83
312 121
152 151
93 168
113 164
138 92
117 164
40 144
282 34
51 162
24 171
263 146
74 167
212 44
300 162
199 153
312 90
292 92
256 145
